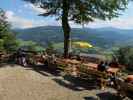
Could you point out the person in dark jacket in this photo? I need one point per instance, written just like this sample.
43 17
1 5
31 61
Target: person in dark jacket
21 56
101 66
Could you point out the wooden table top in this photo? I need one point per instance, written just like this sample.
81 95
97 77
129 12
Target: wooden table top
72 61
113 70
130 77
92 65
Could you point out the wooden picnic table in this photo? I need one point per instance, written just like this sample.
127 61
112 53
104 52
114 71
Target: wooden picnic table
95 66
74 61
130 78
71 61
125 88
91 65
113 70
4 57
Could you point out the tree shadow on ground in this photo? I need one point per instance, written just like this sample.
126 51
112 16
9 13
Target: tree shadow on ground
67 81
76 84
45 70
90 98
104 96
108 96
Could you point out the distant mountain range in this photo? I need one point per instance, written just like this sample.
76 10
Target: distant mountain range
101 37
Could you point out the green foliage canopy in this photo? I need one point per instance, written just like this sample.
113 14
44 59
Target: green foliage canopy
82 10
125 56
8 41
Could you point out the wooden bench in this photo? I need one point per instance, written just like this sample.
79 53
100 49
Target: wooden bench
4 57
125 88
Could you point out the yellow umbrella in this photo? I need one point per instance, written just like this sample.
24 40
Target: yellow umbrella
82 44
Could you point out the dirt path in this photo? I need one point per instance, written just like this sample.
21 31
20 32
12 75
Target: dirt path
18 83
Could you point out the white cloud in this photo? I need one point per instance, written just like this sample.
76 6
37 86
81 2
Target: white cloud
122 23
17 21
34 8
9 14
20 22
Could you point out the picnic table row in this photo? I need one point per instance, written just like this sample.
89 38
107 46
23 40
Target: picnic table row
91 69
88 65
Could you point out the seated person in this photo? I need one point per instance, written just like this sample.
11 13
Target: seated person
101 66
78 58
112 80
106 65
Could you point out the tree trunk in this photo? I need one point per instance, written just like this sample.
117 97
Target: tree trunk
66 27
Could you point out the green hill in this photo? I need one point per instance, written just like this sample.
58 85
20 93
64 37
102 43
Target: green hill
100 37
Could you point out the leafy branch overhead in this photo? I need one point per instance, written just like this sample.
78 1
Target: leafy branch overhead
82 10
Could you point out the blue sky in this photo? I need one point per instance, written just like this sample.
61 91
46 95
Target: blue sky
24 15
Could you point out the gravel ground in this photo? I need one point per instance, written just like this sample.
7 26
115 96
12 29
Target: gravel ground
19 83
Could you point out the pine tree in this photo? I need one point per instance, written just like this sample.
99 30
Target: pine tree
8 41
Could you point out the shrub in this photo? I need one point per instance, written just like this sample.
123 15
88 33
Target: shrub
125 56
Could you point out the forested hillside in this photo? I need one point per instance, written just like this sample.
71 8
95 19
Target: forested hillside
100 37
